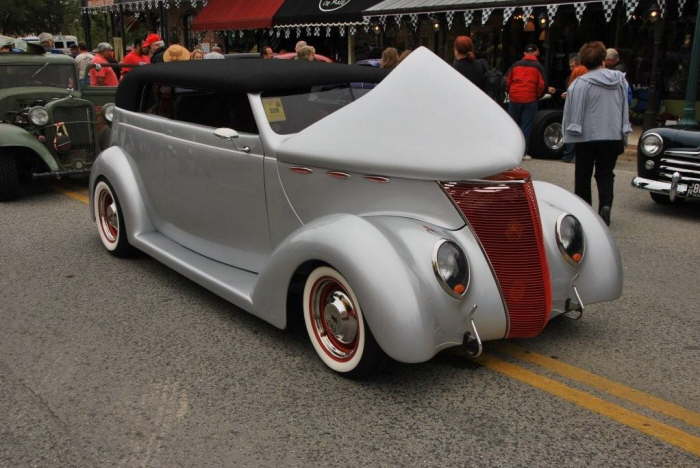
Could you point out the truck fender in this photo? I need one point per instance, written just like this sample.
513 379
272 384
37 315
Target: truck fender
12 135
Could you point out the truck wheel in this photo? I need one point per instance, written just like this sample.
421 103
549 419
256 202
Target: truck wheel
9 178
110 221
547 138
336 326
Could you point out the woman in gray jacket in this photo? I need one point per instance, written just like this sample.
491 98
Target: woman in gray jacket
596 119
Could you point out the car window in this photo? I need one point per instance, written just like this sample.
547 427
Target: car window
58 45
202 107
293 111
47 74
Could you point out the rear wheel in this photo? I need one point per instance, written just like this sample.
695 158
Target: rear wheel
110 221
9 178
336 326
547 137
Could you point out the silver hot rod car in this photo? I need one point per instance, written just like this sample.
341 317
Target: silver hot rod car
394 219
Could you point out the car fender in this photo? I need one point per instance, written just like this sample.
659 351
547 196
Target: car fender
115 165
12 135
388 262
599 277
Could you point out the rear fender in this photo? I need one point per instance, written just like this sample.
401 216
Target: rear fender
14 136
115 165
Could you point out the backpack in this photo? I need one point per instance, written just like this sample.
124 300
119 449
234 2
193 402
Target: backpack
493 82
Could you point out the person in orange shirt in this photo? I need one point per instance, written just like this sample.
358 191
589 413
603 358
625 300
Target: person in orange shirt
140 55
102 74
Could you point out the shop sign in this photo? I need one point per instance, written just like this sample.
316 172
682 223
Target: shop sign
332 5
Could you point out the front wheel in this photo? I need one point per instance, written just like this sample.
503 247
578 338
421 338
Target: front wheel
110 221
9 178
336 326
547 137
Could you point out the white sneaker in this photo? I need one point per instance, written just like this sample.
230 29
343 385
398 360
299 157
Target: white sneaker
527 157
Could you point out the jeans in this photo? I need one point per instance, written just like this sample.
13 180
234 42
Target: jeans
569 152
524 114
601 156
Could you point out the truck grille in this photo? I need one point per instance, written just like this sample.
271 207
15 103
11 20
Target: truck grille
79 122
685 162
502 212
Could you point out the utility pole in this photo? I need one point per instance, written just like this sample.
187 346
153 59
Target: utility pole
691 90
654 94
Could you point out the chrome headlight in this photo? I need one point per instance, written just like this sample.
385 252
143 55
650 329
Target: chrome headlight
39 116
570 239
451 268
651 144
108 111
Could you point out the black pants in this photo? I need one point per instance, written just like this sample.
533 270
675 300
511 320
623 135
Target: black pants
601 156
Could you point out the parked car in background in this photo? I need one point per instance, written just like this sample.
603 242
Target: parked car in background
392 227
64 43
48 127
668 163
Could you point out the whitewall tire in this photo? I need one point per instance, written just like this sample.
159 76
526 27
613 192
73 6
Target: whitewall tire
336 325
109 220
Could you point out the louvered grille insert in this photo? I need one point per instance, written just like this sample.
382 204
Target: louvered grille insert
506 220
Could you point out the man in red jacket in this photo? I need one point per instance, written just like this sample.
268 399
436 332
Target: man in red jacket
525 84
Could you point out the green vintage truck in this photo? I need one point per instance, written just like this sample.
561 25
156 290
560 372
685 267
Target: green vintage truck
49 126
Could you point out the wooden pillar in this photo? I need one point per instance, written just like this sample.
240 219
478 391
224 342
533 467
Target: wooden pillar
351 48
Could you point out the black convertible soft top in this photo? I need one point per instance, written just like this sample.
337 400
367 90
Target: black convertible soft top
242 76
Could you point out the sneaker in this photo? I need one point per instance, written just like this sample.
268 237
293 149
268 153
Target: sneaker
527 157
605 214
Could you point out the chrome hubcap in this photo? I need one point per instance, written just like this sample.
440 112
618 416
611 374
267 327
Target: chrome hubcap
109 219
553 137
334 319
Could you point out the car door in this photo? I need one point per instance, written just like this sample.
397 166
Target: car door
203 191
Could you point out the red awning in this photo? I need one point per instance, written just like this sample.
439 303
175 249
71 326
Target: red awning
221 15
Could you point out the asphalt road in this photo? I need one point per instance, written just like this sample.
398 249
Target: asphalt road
109 362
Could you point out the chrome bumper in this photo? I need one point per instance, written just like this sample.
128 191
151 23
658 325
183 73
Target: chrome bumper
672 189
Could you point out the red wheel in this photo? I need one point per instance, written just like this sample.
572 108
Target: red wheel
336 326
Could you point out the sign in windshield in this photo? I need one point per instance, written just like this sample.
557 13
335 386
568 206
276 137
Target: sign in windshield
52 75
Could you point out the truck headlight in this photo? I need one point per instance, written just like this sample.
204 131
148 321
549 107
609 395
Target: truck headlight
39 116
451 268
651 144
108 111
570 239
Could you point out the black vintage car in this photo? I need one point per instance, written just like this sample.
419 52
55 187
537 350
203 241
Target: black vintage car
668 163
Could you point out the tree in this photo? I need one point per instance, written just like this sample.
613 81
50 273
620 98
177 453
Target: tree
22 17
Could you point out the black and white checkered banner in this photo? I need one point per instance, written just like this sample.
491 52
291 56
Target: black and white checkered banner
485 13
580 7
450 17
681 5
630 6
609 9
527 12
552 12
662 7
468 17
507 13
397 18
413 18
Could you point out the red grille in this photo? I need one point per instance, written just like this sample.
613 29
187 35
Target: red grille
506 221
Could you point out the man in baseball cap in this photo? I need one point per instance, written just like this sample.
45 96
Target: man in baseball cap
102 74
140 54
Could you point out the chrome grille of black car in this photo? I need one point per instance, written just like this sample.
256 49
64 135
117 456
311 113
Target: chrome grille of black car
685 162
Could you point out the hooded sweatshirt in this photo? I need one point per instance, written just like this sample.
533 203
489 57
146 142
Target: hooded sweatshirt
596 107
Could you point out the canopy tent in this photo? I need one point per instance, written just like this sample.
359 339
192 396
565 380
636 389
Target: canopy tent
220 15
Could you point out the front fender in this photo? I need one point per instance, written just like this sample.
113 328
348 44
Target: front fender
388 263
600 273
115 165
12 135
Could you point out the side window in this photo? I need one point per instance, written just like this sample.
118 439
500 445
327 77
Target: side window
58 45
202 107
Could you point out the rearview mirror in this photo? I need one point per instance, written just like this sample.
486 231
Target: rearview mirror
226 133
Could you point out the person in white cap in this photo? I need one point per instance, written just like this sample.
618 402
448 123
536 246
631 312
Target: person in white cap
46 41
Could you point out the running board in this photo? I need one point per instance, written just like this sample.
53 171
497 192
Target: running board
233 284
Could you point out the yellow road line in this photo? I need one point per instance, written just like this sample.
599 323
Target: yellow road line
601 383
652 427
74 195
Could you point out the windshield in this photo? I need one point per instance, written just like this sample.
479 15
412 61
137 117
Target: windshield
294 111
55 76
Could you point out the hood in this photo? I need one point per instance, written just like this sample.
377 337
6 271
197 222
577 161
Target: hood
604 77
423 121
